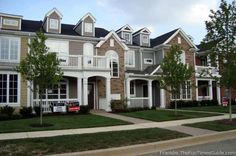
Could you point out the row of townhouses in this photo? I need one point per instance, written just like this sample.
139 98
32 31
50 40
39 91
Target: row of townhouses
99 65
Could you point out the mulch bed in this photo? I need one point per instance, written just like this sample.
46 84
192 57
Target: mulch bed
227 122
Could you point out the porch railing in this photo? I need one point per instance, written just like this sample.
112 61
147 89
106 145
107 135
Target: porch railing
47 102
138 102
205 70
201 98
83 62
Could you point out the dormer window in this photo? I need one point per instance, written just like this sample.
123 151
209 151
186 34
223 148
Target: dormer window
88 27
54 24
10 22
145 39
127 37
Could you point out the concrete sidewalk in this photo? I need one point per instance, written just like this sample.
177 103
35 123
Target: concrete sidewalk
21 135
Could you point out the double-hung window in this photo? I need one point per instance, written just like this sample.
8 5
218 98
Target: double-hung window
130 58
184 93
54 23
9 88
9 49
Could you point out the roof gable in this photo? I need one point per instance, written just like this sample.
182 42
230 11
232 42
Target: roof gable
184 35
125 28
116 37
161 39
84 17
143 30
54 10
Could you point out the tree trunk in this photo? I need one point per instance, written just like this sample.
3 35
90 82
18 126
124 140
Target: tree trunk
41 112
175 107
230 108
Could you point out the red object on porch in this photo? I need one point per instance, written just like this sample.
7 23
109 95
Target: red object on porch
73 107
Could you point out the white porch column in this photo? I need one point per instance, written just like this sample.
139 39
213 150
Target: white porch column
128 91
108 93
218 95
196 90
79 90
162 98
29 94
210 89
149 93
85 91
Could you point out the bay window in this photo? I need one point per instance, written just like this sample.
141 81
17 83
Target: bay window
184 93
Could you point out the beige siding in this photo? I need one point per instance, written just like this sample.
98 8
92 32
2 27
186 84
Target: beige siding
23 52
11 27
72 88
75 48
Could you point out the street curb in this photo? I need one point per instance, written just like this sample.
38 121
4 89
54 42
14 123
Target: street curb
156 146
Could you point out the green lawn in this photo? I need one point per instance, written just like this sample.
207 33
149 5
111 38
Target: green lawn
165 115
214 125
82 142
219 109
59 122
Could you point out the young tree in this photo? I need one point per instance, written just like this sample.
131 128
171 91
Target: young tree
40 67
221 30
174 72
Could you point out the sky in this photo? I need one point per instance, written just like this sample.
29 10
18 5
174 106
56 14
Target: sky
159 16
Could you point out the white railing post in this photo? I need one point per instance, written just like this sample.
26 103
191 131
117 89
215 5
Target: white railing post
128 91
149 93
108 93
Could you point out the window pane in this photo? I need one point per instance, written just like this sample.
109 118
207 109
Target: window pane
13 88
131 87
189 90
4 48
14 49
3 88
184 90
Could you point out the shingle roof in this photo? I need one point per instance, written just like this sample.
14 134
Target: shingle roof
147 70
66 29
161 39
207 46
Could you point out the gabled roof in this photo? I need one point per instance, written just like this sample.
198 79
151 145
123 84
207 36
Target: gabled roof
143 30
66 29
166 38
51 11
11 15
161 39
116 37
125 28
84 17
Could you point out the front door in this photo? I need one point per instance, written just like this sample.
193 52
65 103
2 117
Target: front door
91 95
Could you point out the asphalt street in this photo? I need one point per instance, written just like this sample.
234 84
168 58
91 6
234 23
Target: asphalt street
222 148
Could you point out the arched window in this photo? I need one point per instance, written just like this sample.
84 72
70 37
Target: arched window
114 62
88 54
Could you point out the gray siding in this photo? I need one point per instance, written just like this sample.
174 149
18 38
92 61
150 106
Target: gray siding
136 39
79 28
147 55
137 61
159 56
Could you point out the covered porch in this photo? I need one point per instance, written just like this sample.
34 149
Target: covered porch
92 90
143 92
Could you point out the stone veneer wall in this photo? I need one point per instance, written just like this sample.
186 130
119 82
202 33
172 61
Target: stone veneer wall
189 56
117 84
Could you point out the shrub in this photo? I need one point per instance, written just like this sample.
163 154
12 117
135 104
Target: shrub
37 110
26 112
193 103
84 109
8 110
118 105
3 117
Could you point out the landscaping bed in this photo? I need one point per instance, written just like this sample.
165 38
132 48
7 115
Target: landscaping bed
58 122
166 115
217 125
83 142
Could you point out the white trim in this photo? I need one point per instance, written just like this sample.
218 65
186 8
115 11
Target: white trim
6 20
11 15
47 25
154 71
181 92
127 65
18 88
116 37
142 32
0 22
82 19
19 48
51 11
145 60
141 59
52 26
130 36
183 35
123 29
154 55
